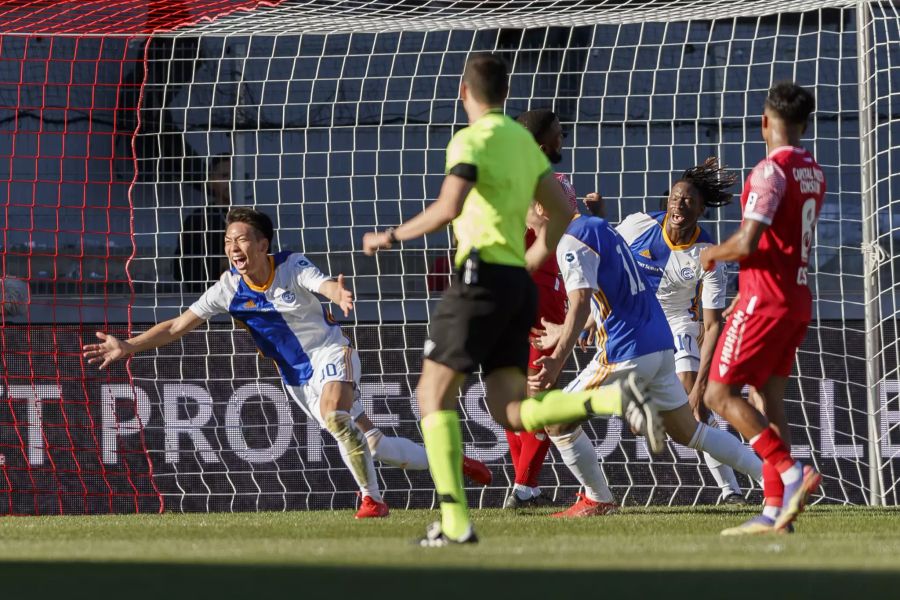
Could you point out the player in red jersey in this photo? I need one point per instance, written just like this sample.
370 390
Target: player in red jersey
528 450
781 203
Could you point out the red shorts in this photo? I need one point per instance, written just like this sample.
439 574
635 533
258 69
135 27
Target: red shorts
753 348
551 306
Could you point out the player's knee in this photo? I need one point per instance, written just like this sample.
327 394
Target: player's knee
565 436
558 431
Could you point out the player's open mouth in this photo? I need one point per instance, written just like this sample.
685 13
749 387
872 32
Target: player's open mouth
676 218
239 262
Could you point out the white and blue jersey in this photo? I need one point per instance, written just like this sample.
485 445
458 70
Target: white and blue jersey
287 321
592 255
674 271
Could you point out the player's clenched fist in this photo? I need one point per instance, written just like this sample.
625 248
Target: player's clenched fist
707 262
374 241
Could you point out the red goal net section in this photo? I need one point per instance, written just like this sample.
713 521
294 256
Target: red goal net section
71 74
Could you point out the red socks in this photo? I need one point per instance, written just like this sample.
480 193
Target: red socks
773 487
772 450
528 451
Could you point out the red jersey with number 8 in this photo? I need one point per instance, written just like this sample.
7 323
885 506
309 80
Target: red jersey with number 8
785 191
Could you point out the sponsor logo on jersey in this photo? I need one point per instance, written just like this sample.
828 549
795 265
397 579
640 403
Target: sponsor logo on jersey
249 304
288 297
732 346
646 253
570 257
687 273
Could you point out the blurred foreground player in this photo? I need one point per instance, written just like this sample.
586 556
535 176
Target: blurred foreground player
494 171
781 203
528 450
272 297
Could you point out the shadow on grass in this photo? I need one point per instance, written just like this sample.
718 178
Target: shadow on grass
75 580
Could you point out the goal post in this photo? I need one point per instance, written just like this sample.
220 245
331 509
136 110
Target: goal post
333 117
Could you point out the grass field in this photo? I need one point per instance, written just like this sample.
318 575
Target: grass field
667 552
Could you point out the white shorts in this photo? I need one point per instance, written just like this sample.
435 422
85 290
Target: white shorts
657 369
331 363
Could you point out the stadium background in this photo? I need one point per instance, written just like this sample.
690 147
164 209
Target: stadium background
332 135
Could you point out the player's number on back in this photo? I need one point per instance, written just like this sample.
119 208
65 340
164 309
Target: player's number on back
685 343
808 226
631 269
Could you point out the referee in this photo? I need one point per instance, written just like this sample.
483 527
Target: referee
494 171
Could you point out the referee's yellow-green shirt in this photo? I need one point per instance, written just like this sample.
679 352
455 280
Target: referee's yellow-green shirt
508 165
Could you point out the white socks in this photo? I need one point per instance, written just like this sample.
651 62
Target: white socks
354 451
771 511
396 451
726 448
578 453
722 473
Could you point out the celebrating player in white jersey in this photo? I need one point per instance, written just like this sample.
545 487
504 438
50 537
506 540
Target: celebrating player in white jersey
667 247
272 296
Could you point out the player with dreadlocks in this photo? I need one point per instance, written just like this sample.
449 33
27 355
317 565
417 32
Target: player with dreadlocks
666 246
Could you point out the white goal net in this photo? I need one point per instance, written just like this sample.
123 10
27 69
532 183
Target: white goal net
333 117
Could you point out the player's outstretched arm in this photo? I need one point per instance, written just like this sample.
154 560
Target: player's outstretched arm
552 198
334 290
438 214
712 327
111 349
739 246
576 317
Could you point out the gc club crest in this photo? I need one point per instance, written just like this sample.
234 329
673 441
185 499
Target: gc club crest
288 297
687 273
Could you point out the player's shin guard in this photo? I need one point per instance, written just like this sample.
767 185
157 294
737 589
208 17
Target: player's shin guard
578 453
396 451
556 407
773 487
354 451
726 448
443 442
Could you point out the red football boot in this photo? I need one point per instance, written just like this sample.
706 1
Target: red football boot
477 471
585 507
369 509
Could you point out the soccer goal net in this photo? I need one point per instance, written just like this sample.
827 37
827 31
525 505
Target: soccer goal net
128 131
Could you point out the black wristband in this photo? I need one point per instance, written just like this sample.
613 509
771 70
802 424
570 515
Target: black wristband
392 235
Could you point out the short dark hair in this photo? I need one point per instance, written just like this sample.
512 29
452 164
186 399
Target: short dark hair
537 121
791 102
487 77
260 221
712 181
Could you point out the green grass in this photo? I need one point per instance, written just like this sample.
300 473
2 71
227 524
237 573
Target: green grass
674 553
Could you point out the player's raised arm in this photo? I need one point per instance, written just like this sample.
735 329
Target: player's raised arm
550 195
111 349
437 215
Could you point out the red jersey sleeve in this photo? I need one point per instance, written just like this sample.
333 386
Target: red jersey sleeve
767 186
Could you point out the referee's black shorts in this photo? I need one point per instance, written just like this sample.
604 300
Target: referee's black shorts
484 324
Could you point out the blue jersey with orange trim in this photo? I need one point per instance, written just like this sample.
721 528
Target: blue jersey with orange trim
284 317
630 322
674 271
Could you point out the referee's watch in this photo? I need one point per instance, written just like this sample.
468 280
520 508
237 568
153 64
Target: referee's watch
392 235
